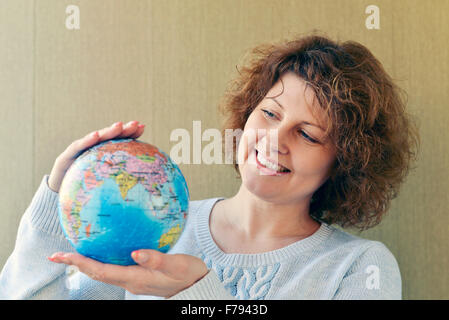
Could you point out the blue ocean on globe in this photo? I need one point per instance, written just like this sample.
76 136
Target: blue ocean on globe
120 196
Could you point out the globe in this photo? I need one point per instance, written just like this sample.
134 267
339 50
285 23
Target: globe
122 195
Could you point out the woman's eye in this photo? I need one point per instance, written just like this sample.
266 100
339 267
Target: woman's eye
305 135
269 114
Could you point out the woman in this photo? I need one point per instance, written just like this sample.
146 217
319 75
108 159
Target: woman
342 146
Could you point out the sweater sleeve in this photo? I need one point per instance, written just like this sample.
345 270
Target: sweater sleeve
374 275
207 288
28 274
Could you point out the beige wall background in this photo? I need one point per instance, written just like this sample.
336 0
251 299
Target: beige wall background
166 63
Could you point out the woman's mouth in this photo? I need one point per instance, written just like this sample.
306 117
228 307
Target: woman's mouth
267 167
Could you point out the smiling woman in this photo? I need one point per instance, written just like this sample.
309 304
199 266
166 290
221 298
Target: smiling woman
333 145
294 147
361 110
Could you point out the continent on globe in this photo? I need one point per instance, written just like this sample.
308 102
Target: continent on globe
125 182
170 237
120 196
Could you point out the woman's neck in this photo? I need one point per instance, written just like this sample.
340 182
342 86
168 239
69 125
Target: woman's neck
254 218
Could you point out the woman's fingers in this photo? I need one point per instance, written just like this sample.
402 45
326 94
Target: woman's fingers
108 273
111 132
86 142
138 132
129 129
118 130
76 147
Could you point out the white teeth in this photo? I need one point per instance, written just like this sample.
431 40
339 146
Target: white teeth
269 164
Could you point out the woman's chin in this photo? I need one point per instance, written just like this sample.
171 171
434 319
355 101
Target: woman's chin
264 190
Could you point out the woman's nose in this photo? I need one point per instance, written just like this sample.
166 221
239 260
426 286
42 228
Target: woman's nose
276 142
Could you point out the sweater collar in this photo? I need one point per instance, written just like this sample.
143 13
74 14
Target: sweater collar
303 247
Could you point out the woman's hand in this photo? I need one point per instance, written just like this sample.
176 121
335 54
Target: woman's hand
156 274
63 162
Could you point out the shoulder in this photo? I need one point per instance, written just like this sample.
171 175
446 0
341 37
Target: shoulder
359 247
199 206
371 270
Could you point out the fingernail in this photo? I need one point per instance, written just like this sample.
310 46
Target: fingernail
117 124
54 259
140 256
57 257
94 134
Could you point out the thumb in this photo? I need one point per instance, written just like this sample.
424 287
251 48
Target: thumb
173 265
148 258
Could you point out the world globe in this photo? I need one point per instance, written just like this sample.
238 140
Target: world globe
122 195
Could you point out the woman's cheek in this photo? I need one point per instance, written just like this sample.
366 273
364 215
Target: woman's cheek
242 146
247 143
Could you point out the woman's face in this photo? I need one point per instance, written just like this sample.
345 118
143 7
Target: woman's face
295 117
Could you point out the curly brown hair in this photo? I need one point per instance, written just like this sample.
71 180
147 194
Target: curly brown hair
376 140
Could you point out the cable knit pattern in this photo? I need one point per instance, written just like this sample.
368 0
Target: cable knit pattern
329 264
245 283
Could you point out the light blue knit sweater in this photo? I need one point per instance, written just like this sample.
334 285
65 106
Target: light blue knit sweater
330 264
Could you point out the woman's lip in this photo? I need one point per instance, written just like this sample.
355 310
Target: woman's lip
273 162
268 171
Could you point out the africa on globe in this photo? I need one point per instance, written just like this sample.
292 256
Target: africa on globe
120 196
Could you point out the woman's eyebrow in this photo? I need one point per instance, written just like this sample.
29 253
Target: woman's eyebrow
305 122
